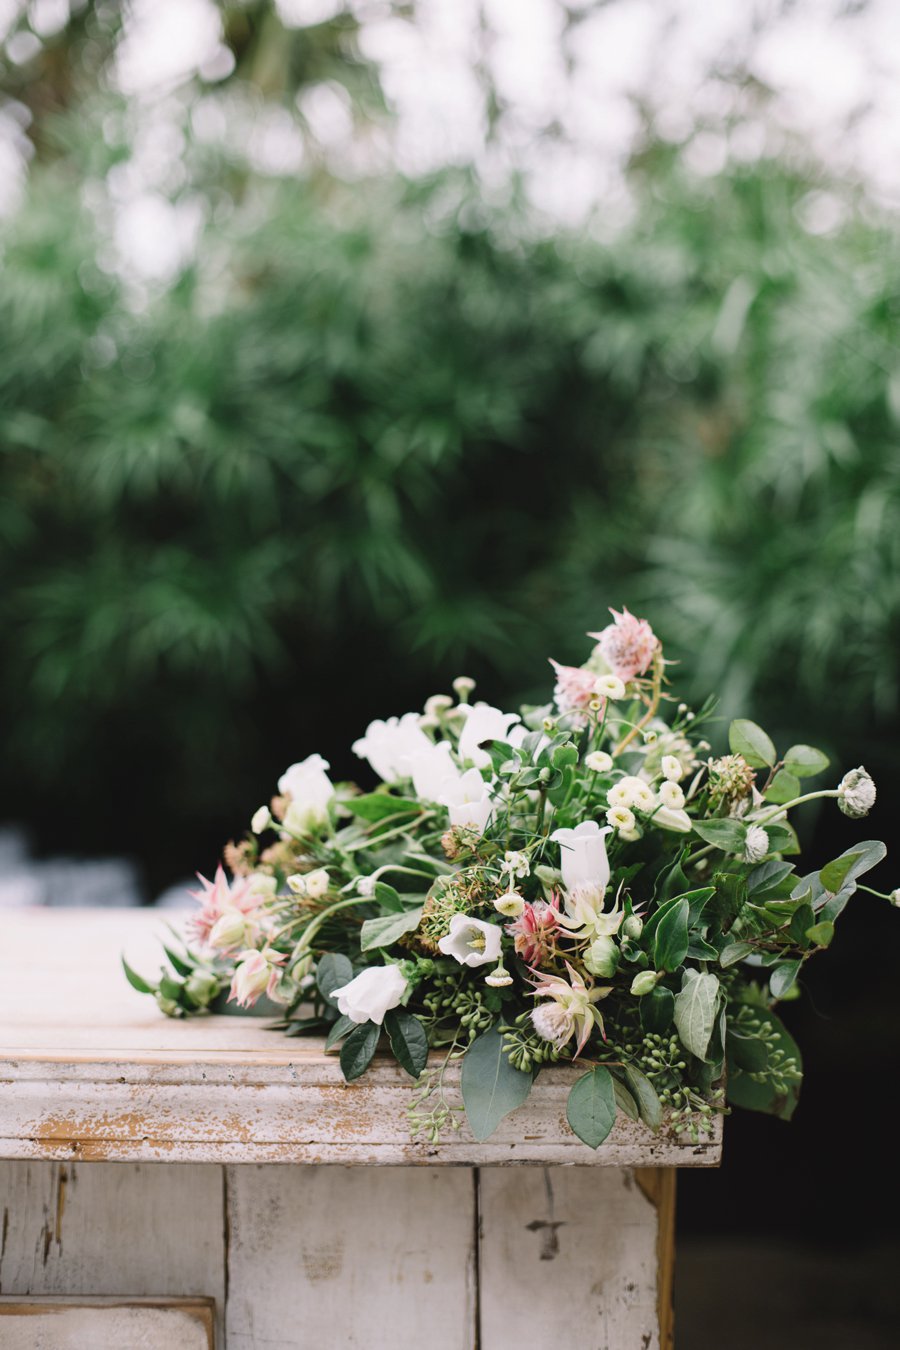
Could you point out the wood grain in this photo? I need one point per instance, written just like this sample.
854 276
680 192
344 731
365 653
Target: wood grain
106 1324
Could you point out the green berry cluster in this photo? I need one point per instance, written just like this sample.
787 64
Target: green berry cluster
458 1009
525 1049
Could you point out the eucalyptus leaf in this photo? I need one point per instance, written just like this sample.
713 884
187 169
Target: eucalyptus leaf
591 1107
491 1087
387 928
747 739
695 1010
805 760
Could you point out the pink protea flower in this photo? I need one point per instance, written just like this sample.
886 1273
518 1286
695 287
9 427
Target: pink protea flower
535 930
627 645
218 897
255 973
570 1009
575 688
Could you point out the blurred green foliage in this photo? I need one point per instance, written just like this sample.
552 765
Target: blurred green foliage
378 433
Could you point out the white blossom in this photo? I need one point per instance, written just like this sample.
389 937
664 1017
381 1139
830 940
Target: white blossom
756 844
471 942
856 793
483 723
583 859
598 761
372 993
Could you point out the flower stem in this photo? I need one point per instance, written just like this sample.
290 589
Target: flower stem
655 695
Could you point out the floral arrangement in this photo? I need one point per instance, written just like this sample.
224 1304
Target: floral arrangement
580 882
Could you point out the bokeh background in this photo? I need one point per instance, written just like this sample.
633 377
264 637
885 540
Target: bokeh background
348 345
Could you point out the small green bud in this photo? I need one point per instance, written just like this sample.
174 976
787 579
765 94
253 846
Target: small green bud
602 957
168 1006
644 981
633 927
201 986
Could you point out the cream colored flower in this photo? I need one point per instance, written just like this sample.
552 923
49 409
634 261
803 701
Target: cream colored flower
672 769
621 818
598 761
671 795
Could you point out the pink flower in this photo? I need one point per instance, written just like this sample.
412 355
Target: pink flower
627 645
255 973
570 1010
535 930
575 688
217 898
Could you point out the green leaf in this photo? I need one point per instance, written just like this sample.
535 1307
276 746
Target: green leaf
784 787
728 835
387 897
375 806
783 977
742 1090
333 972
170 988
734 952
671 881
136 981
408 1040
745 1052
782 837
671 939
768 876
834 874
657 1011
747 739
358 1049
591 1108
805 760
564 756
820 934
730 898
695 1010
178 963
624 1100
491 1087
802 920
387 928
339 1030
645 1095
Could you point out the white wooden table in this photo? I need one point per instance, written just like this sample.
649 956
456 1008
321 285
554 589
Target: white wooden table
149 1161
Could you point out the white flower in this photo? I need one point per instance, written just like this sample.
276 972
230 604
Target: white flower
317 883
471 942
671 795
856 793
584 916
386 745
437 704
621 794
671 767
499 978
583 855
894 897
668 819
431 769
483 723
371 994
311 792
468 801
756 844
642 795
620 818
598 761
463 686
516 864
261 820
609 686
366 885
510 904
261 884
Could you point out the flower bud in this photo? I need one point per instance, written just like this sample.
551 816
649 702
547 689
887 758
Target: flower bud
168 1006
317 883
201 986
228 931
260 883
598 761
644 981
894 897
632 927
609 686
510 904
301 967
756 844
437 704
462 687
261 820
602 957
499 977
856 793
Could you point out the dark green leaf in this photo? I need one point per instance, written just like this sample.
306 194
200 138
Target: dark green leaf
645 1095
591 1108
834 874
136 981
745 1052
768 876
657 1011
742 1090
387 928
734 952
333 972
624 1100
671 939
178 963
491 1087
802 919
728 901
387 898
821 934
339 1030
783 977
782 837
408 1040
747 739
358 1049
